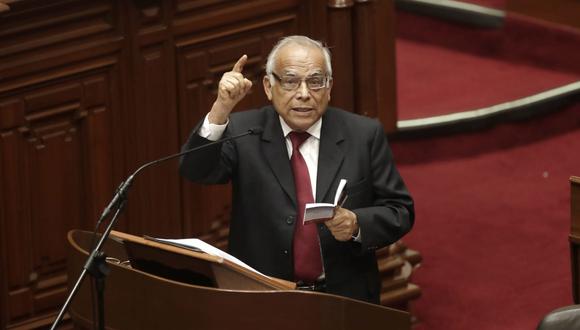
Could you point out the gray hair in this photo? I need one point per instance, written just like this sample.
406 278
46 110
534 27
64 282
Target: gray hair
302 41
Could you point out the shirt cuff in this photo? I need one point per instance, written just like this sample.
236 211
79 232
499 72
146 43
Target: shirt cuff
358 237
212 132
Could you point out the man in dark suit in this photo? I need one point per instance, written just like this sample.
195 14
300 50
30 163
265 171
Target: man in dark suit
274 174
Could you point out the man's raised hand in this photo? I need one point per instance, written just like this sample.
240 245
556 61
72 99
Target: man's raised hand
232 88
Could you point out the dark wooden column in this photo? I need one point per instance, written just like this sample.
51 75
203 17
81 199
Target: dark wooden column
374 61
361 37
340 42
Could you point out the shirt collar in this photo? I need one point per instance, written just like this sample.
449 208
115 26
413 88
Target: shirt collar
313 130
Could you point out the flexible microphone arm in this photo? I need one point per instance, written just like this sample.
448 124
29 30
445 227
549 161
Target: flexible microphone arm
120 195
117 204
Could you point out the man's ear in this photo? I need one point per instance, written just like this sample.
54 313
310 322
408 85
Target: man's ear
329 88
267 87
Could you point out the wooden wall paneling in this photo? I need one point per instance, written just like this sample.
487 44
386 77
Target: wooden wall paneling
340 41
154 205
16 296
58 62
374 81
196 16
50 29
315 20
51 136
202 59
49 178
102 154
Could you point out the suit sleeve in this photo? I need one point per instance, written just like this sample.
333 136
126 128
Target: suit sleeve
392 212
211 165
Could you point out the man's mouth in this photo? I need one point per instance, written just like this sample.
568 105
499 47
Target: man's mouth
301 109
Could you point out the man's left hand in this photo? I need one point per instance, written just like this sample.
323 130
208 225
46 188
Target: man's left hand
343 225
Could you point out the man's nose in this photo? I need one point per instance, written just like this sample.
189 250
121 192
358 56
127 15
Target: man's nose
303 91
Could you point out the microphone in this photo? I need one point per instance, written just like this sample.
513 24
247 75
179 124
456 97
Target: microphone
119 196
116 205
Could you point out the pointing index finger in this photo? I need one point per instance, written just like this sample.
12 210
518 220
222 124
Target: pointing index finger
239 66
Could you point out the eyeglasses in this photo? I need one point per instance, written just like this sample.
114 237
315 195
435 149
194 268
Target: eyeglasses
313 83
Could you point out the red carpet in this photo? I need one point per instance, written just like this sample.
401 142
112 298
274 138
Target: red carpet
445 67
521 39
492 222
459 81
493 208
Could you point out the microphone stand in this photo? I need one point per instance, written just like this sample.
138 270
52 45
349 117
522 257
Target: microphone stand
96 264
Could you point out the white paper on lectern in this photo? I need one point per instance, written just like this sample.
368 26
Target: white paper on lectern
197 244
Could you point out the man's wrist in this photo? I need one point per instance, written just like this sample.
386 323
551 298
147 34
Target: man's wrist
218 114
216 119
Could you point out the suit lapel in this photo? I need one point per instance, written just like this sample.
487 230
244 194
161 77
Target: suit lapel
276 153
330 155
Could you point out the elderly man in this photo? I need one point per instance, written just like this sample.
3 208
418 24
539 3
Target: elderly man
305 149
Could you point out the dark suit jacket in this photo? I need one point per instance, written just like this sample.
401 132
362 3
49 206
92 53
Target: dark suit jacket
264 203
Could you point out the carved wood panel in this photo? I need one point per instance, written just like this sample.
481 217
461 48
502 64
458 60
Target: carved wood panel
154 206
37 35
54 140
58 79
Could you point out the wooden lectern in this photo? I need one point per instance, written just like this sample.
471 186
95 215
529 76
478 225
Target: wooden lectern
183 289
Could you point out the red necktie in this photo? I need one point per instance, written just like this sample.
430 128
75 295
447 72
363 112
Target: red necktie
307 259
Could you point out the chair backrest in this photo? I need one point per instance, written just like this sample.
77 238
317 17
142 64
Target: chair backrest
568 317
565 318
